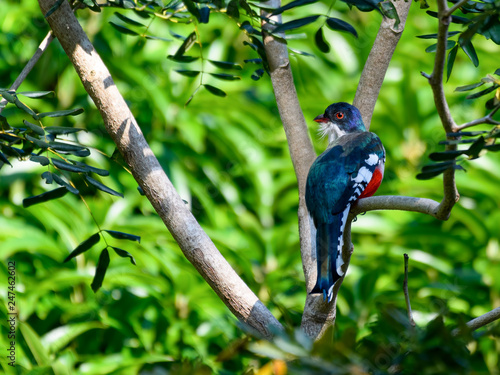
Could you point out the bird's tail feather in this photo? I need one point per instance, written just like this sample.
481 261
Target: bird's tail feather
329 242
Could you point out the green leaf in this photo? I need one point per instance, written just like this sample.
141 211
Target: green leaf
492 147
84 246
19 104
293 4
446 155
102 187
476 148
36 347
186 45
253 61
182 59
204 14
61 182
59 130
258 74
454 19
152 37
40 159
433 48
466 134
123 29
295 24
187 73
37 142
4 159
60 164
4 125
438 166
434 36
47 176
68 112
226 65
92 4
128 20
232 9
225 77
320 41
303 53
339 25
481 93
123 236
469 50
192 8
451 60
389 10
59 146
99 171
124 254
37 94
215 91
469 87
100 272
44 197
35 128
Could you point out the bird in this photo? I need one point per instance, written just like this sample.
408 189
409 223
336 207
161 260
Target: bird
351 168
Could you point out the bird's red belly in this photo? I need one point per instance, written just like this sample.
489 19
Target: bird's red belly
373 185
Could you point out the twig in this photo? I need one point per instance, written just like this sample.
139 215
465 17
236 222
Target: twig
488 119
147 171
378 61
480 321
30 64
450 11
407 295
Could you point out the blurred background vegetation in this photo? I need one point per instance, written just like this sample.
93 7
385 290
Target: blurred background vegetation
229 159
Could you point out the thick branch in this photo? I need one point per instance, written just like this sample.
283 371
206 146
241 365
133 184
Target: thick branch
378 61
396 202
481 321
125 132
27 68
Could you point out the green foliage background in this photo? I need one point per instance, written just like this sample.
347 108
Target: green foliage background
229 160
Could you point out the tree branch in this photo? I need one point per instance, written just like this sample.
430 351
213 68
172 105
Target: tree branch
460 4
27 68
126 133
396 202
450 196
378 61
480 321
488 119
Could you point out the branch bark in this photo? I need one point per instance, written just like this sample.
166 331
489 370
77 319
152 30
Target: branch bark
127 135
378 61
480 321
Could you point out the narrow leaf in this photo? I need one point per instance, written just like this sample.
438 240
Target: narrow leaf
225 77
469 87
60 164
186 45
215 91
257 74
232 9
59 130
438 166
99 171
182 59
476 148
124 254
192 8
295 24
469 50
100 272
59 146
4 159
434 36
253 61
47 176
152 37
40 159
102 187
446 155
481 93
35 128
433 48
466 134
293 4
204 14
61 182
226 64
37 94
123 236
451 60
37 141
187 73
128 20
44 197
84 246
321 42
69 112
123 29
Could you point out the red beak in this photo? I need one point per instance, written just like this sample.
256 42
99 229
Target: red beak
321 118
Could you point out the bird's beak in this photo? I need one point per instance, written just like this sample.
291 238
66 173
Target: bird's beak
321 118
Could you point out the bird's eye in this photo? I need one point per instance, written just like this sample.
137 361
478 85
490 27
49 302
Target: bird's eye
339 115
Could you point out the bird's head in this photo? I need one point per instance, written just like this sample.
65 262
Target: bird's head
339 119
